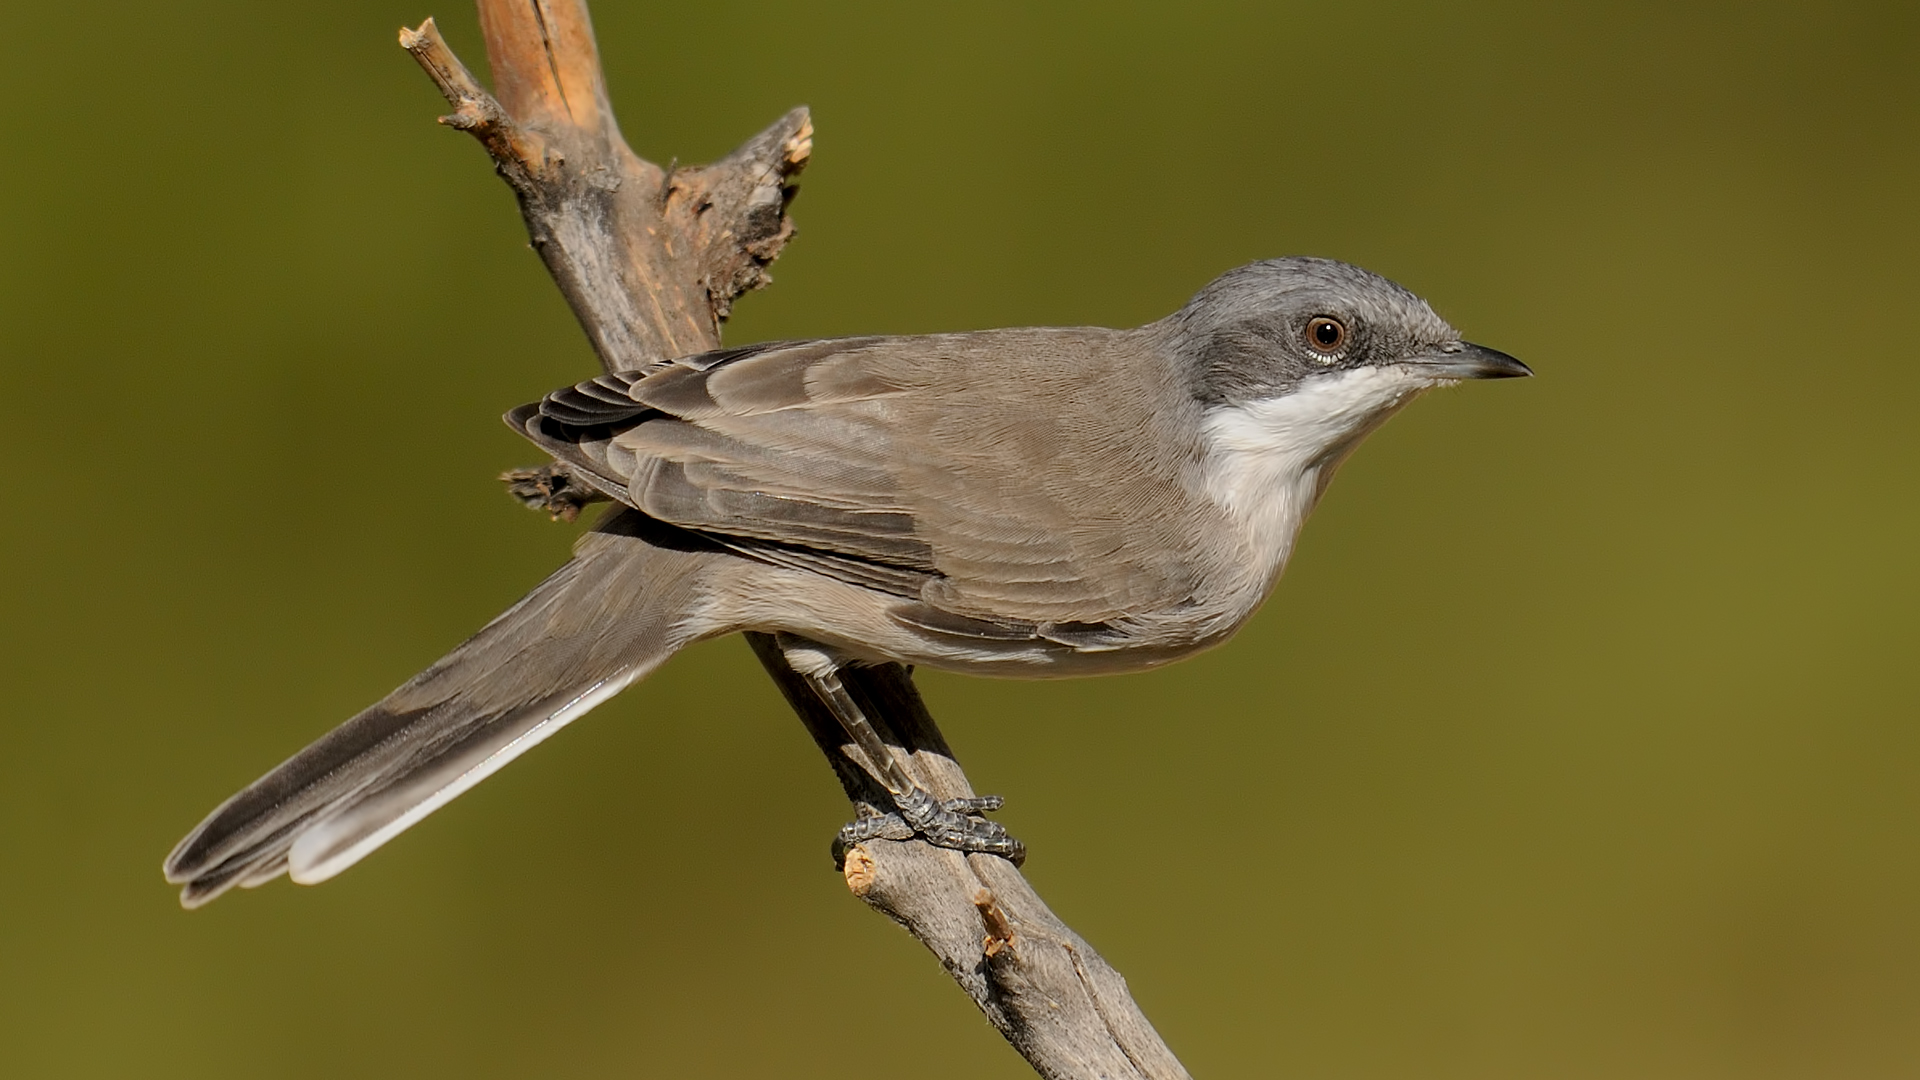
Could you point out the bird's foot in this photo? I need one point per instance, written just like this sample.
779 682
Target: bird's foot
947 823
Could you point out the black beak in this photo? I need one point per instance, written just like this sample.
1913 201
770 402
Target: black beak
1465 360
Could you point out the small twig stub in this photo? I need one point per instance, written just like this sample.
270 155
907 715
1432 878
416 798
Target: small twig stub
859 871
999 930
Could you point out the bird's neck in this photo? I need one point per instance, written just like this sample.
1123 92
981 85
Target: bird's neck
1270 459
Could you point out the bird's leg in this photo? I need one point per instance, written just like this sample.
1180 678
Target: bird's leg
949 823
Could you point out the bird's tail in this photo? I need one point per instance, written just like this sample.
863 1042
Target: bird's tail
603 621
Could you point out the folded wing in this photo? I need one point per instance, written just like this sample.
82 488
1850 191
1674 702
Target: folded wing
928 467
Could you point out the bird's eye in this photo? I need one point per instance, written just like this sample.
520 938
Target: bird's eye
1326 336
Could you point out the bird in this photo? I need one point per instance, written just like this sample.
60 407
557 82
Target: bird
1026 503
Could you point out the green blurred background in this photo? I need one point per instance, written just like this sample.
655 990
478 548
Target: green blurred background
1579 741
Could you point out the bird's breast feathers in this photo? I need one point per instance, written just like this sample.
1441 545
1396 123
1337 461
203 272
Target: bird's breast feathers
1270 459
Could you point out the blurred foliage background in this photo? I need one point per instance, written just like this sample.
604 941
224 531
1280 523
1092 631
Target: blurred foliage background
1579 741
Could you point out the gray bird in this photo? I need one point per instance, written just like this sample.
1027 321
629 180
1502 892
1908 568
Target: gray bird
1029 503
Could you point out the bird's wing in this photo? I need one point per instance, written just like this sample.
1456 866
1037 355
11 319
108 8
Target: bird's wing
973 472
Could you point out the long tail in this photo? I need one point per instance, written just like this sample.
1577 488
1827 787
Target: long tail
602 622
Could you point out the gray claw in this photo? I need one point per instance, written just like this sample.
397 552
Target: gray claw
952 823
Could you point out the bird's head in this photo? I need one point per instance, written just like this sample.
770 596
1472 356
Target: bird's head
1284 327
1293 362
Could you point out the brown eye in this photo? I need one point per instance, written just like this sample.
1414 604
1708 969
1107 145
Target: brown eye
1326 335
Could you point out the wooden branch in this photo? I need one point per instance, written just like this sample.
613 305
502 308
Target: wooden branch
651 261
1049 993
520 154
545 62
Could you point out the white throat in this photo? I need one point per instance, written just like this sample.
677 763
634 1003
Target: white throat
1269 460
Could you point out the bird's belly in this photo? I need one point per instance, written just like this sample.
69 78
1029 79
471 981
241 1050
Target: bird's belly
1047 660
874 627
1135 644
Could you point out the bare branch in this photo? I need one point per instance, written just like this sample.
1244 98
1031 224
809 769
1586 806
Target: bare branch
551 487
520 154
738 207
1047 991
545 63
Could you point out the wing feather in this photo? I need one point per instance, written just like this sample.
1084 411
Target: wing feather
972 473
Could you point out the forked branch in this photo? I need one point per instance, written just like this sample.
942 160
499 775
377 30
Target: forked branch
651 261
519 154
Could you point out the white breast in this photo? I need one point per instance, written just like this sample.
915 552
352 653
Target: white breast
1269 460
